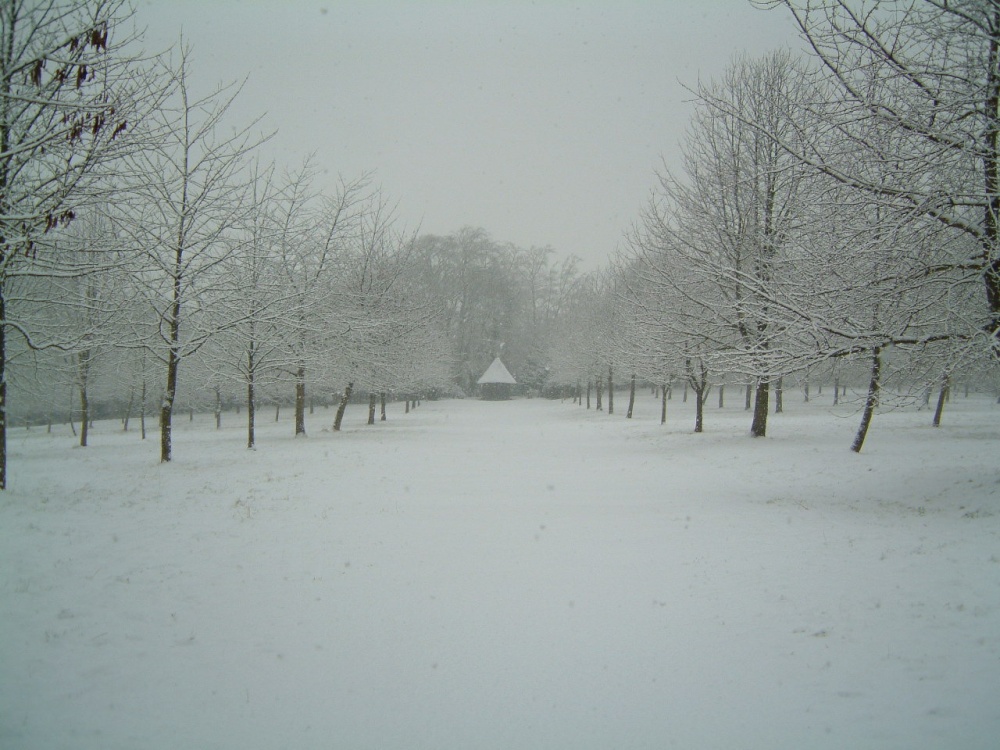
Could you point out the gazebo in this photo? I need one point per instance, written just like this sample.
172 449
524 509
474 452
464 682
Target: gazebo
496 383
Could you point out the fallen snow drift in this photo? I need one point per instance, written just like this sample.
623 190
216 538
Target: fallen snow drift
524 574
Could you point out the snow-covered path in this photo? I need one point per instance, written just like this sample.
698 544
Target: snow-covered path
507 575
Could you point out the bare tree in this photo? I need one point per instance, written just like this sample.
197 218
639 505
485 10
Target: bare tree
68 96
187 199
928 71
711 246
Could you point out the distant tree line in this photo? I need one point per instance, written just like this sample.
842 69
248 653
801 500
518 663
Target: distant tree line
150 262
834 213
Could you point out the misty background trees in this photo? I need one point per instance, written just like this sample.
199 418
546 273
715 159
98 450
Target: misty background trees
833 218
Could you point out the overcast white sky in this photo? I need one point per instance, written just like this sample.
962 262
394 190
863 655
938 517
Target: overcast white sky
542 122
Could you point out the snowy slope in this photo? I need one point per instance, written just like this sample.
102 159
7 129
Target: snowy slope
524 574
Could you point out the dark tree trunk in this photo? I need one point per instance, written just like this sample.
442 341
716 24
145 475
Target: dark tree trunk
84 414
722 395
251 410
173 360
72 410
342 406
277 411
3 376
779 396
83 375
371 408
600 389
407 405
300 401
805 390
942 397
218 408
142 412
991 174
749 397
611 391
758 427
836 391
167 405
870 402
698 379
663 404
381 398
631 396
589 384
684 397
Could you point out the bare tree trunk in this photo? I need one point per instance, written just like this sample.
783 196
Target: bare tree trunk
371 408
611 391
173 362
836 391
779 396
218 408
3 376
251 410
277 410
83 380
631 397
749 397
663 404
84 414
942 397
758 427
142 412
381 397
870 402
698 380
300 401
600 389
72 398
342 406
722 395
588 393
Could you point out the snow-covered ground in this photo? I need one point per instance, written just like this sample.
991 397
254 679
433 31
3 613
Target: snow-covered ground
520 575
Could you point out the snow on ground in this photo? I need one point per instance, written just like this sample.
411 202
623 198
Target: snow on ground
521 575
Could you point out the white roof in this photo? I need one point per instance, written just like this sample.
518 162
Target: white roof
497 373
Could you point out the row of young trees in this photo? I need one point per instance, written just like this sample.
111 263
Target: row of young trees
150 260
831 211
147 254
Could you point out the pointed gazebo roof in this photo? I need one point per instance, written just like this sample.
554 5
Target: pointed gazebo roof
497 373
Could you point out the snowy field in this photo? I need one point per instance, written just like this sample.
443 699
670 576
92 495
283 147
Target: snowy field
511 575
